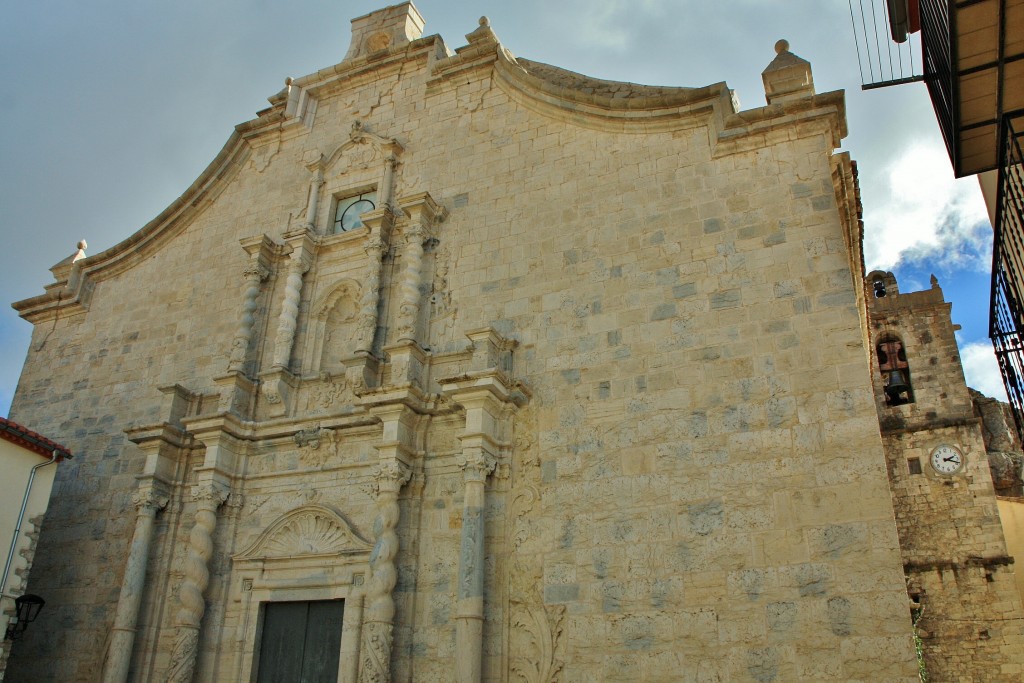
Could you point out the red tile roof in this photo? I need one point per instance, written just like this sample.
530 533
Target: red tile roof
29 440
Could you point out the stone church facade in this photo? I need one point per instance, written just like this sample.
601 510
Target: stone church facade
458 366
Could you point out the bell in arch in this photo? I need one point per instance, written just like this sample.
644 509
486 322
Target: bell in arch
896 387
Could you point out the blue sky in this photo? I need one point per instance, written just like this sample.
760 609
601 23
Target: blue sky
113 108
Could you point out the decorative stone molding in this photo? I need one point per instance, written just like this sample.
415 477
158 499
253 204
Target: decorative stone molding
327 391
363 149
312 530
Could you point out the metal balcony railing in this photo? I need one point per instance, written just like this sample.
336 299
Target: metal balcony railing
886 54
937 46
1006 321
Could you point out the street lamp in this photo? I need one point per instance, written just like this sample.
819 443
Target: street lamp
27 608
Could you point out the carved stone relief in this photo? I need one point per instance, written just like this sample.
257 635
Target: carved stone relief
443 313
330 390
534 628
317 446
309 530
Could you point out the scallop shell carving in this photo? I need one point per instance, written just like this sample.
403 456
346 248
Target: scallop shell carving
309 530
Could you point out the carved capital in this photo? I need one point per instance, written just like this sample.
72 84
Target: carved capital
149 500
375 248
391 476
415 234
211 493
476 466
255 271
299 264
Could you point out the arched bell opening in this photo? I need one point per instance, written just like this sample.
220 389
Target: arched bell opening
895 371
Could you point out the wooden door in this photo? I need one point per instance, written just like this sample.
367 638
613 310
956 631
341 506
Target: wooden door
300 642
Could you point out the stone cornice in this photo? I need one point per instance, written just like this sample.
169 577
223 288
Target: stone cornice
753 128
71 294
642 109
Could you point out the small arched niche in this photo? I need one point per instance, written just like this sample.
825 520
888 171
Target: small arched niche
881 284
335 327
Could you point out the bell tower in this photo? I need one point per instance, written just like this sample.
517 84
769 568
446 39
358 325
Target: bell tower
960 579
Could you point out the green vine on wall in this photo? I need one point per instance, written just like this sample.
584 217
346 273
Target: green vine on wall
922 671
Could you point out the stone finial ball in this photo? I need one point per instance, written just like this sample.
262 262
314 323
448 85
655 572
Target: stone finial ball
484 21
781 46
82 244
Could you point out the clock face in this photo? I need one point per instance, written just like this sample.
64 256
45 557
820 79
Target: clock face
947 459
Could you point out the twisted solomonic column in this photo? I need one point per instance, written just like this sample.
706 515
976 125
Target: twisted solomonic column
469 617
119 654
378 626
254 274
289 310
409 292
366 323
197 576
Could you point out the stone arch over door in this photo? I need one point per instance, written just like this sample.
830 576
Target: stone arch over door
309 554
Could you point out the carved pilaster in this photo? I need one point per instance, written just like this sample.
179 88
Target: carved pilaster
476 466
378 628
253 274
366 324
197 577
489 399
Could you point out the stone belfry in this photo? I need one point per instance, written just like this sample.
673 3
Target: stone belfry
960 577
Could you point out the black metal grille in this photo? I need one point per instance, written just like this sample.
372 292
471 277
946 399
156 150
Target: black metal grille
1006 322
936 43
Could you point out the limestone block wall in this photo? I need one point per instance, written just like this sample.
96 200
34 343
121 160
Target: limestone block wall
694 484
1011 514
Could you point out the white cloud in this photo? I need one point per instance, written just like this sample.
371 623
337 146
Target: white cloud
982 369
926 213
